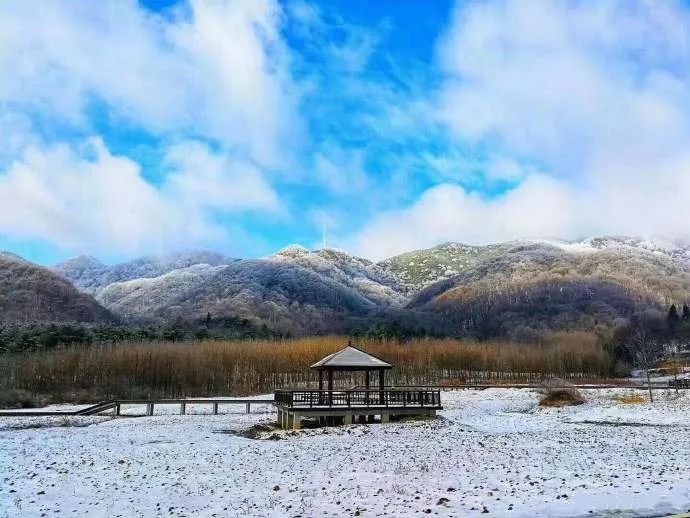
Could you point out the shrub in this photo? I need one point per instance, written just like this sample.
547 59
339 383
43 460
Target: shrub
18 398
558 393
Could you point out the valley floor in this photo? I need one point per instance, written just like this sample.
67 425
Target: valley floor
490 452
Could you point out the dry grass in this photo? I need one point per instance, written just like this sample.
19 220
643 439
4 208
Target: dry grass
559 393
562 397
630 399
208 368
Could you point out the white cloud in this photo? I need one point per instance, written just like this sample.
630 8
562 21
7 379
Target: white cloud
542 206
212 76
568 81
341 172
89 199
597 95
216 69
202 178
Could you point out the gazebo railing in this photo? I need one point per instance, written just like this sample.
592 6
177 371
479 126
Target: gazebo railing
400 398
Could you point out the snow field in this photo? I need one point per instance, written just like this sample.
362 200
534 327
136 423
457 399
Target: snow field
490 452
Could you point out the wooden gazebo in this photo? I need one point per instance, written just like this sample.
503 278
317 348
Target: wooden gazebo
352 359
345 406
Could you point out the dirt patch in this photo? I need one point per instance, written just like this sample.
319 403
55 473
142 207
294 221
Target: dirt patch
561 397
257 431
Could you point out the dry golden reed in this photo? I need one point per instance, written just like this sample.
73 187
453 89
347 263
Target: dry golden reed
214 368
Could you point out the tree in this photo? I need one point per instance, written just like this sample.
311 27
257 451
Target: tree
673 318
686 312
644 349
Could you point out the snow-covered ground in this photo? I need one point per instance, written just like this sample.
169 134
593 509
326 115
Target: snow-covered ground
493 451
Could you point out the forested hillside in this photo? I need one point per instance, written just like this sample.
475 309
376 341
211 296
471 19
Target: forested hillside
32 294
521 290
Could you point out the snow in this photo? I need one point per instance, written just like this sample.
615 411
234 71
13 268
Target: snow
492 450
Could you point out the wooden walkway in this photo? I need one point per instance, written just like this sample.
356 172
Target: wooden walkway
661 385
115 407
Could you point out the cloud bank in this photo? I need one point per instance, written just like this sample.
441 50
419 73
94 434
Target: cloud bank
88 198
596 95
127 130
210 81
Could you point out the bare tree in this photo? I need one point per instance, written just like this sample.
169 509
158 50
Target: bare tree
644 349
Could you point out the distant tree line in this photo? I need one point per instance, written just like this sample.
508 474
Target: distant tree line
651 336
42 336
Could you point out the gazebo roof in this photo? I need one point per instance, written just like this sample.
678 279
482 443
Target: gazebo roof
351 358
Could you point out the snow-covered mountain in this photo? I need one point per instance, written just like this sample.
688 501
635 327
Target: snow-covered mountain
420 268
374 282
533 285
91 275
537 283
294 290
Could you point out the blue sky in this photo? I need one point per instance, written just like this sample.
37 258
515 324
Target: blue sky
134 128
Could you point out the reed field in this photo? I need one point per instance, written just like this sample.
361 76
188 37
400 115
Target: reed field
216 368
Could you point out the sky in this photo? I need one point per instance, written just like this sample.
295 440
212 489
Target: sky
135 128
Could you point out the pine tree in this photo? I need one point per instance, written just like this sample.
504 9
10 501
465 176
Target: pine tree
673 318
686 312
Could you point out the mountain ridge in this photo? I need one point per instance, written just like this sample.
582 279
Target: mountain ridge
30 293
510 285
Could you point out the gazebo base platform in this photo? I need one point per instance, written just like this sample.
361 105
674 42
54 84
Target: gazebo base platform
291 418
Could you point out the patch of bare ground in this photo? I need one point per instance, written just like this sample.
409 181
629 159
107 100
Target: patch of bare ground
257 431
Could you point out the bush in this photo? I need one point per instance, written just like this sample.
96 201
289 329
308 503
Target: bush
17 398
558 393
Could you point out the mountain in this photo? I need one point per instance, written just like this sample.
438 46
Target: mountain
90 275
517 289
372 281
30 293
294 291
420 268
525 287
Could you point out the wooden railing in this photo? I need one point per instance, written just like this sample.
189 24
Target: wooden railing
115 406
418 398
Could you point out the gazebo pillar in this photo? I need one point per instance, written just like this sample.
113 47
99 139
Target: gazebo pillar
367 385
330 387
382 385
321 398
